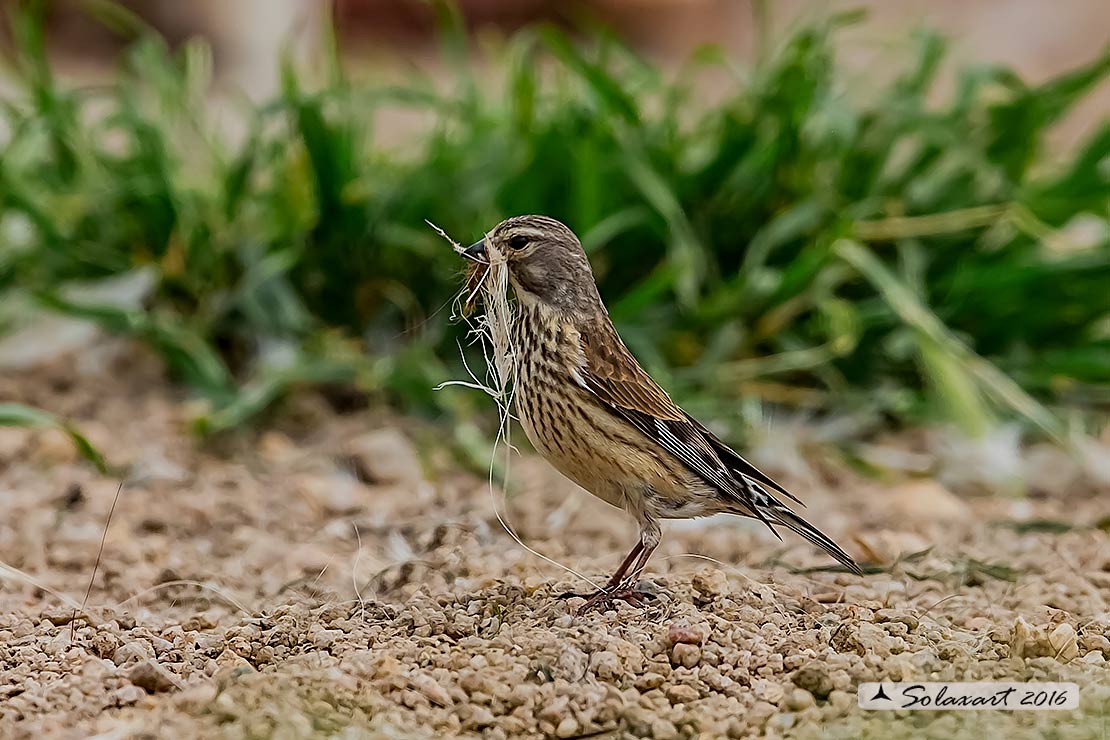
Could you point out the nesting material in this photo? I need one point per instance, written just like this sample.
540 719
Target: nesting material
488 283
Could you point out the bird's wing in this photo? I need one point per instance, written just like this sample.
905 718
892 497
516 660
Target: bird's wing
613 376
739 465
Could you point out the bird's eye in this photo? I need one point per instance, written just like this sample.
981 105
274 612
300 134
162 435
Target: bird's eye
518 242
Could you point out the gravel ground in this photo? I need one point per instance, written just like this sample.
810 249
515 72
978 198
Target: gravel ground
339 575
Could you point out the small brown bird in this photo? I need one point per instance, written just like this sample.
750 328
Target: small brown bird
592 412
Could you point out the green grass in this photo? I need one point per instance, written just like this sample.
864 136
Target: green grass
19 415
789 243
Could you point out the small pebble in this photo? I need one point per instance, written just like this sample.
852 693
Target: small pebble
683 631
152 678
799 699
649 681
663 729
686 655
681 694
568 727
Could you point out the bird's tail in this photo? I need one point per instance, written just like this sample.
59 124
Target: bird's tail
780 514
761 505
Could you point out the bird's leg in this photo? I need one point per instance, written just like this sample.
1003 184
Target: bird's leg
634 556
614 582
650 536
646 549
622 584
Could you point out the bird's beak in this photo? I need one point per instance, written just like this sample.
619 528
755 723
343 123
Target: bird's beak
476 252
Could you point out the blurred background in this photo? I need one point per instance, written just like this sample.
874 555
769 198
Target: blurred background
892 214
247 36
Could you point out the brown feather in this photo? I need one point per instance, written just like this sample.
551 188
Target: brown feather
618 378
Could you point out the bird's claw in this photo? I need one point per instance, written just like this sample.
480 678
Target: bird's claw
603 598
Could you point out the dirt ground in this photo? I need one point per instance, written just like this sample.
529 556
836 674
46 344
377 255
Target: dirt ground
341 575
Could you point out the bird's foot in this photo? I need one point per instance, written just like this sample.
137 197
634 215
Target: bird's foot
630 593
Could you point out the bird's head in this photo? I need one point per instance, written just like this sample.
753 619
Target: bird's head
545 259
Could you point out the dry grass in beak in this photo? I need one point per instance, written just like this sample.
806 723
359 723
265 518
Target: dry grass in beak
473 277
476 273
490 282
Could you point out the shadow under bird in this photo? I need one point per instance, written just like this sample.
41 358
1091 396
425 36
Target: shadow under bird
593 413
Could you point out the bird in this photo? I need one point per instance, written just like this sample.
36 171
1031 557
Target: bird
591 410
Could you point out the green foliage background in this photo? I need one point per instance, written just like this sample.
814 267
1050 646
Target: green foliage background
788 242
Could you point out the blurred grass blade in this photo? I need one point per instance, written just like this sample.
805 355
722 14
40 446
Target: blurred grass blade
259 393
118 18
955 387
908 227
186 351
522 85
930 53
606 89
19 415
686 252
910 310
